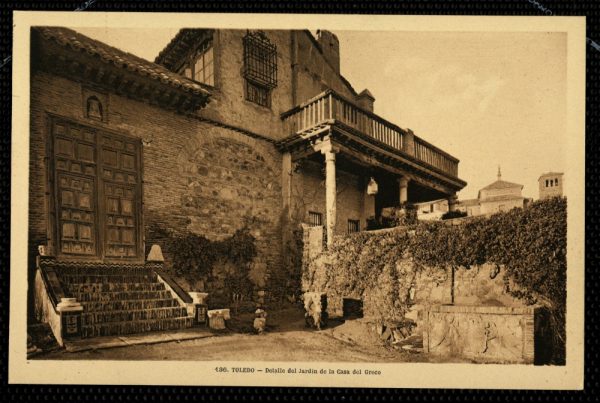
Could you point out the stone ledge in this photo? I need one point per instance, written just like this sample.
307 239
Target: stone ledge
104 342
495 310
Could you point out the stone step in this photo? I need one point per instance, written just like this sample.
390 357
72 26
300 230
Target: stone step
121 295
93 318
104 279
129 305
114 287
115 270
131 327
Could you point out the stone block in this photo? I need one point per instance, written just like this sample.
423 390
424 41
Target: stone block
260 324
216 322
155 254
482 333
225 313
315 305
199 297
217 318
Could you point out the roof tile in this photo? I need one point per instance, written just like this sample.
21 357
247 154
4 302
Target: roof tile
108 54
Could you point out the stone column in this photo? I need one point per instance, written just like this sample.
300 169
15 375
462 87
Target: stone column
452 203
330 189
403 183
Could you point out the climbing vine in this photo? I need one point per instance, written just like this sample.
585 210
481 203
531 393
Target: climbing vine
529 244
194 256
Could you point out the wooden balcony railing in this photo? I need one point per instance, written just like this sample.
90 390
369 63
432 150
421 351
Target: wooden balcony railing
329 108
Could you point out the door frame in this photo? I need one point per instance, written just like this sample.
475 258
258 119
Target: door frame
52 217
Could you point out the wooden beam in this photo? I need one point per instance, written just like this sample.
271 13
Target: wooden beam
100 75
87 72
175 100
368 161
123 86
394 156
74 67
111 79
133 89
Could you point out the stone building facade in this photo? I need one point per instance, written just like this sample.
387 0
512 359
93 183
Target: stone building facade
550 185
431 210
498 196
225 128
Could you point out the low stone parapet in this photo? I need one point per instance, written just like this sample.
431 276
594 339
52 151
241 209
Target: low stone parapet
481 333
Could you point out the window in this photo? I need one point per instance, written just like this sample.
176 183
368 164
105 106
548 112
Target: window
204 69
257 94
260 67
353 226
315 219
556 182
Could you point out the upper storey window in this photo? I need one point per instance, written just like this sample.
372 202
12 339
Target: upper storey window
201 67
260 67
204 67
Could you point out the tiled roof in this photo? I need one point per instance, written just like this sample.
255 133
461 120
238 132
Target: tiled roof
179 46
500 184
69 38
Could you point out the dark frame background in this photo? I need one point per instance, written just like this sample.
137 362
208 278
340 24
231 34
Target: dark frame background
52 393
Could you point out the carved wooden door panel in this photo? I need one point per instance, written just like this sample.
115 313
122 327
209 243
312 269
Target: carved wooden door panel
120 196
97 192
76 189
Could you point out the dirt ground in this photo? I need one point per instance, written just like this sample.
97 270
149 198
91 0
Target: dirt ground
287 339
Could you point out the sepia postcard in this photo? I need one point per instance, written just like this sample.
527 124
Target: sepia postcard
298 200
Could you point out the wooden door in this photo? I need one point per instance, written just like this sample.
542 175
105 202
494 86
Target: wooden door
120 196
97 197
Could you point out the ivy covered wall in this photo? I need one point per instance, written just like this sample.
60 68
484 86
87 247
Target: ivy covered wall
508 259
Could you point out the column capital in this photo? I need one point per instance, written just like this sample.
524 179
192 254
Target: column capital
326 147
403 181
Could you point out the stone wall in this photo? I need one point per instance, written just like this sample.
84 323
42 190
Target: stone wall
314 73
228 101
419 288
489 334
197 177
308 193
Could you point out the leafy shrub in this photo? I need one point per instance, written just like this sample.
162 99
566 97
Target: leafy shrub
453 214
530 244
193 257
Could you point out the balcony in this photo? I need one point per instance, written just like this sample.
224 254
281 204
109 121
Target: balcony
330 109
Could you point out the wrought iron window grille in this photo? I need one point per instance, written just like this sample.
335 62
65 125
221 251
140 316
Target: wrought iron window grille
260 60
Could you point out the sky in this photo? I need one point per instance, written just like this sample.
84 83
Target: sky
489 99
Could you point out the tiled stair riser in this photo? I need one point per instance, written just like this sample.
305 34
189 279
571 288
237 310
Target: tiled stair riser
114 287
105 279
127 305
118 328
119 296
118 301
90 318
